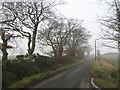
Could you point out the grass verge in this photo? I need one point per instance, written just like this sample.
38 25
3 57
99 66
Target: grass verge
104 83
104 77
41 76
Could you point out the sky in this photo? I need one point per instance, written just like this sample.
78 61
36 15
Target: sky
86 10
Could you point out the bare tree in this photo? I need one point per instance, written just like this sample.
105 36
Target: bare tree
77 41
5 39
54 34
111 24
29 16
62 34
6 31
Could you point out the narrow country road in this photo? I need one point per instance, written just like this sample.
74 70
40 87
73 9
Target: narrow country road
74 77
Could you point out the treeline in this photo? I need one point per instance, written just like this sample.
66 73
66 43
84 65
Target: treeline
67 38
40 23
38 20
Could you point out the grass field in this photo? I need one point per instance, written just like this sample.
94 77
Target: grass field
111 58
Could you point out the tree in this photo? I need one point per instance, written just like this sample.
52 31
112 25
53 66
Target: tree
111 24
6 31
62 34
54 34
5 38
29 16
76 41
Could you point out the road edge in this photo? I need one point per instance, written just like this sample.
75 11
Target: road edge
94 85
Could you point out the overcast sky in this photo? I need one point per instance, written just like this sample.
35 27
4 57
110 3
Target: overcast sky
88 11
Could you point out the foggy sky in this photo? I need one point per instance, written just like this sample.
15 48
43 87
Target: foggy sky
86 10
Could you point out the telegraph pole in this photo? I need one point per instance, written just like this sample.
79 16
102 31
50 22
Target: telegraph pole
95 50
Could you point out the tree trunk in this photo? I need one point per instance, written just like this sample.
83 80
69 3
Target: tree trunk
33 41
60 59
55 55
29 47
29 55
5 54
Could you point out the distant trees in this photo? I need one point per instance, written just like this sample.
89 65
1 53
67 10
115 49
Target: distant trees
65 36
88 49
77 40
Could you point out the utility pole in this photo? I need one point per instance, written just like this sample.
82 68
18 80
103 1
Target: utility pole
95 50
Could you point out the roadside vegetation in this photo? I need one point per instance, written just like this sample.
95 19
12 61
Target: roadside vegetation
32 80
21 72
104 74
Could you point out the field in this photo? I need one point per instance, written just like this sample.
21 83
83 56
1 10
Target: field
111 58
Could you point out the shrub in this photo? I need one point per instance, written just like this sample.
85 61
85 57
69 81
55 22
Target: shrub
38 77
18 57
44 62
8 78
20 67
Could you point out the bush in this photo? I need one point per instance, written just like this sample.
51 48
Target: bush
44 62
18 57
38 77
7 78
20 67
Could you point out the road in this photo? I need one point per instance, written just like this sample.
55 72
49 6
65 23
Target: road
74 77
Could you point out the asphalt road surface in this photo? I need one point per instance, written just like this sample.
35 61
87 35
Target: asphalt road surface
74 77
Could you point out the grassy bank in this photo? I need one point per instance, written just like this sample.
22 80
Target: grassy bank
111 58
41 76
104 74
